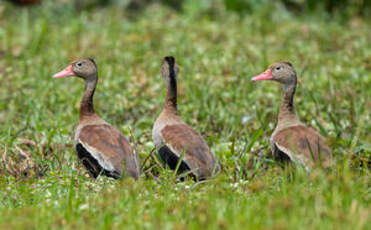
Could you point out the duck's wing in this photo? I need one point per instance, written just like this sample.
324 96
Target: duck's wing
303 145
181 140
104 148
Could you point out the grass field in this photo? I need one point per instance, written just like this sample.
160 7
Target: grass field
218 53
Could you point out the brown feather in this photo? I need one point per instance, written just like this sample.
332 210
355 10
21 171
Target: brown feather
305 144
197 155
112 145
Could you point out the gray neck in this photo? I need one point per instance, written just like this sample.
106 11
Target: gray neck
287 109
86 105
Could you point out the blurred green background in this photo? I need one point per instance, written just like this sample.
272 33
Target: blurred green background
219 46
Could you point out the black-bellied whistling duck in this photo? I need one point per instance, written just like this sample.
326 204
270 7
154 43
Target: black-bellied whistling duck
174 139
101 147
291 138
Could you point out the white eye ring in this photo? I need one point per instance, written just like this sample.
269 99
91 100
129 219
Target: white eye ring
79 64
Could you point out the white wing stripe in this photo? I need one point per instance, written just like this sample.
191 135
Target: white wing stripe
99 156
292 156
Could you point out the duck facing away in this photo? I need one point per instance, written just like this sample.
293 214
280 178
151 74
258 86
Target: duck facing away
175 140
101 147
291 139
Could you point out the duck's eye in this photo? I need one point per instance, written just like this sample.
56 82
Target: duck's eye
79 64
278 68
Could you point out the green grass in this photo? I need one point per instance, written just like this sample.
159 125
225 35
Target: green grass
218 53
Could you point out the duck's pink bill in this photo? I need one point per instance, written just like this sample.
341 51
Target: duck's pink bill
64 73
266 75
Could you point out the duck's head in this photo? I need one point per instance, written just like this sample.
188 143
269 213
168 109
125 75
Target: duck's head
84 68
282 72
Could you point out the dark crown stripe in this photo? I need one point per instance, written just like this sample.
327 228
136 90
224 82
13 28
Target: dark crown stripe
171 62
92 60
288 63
